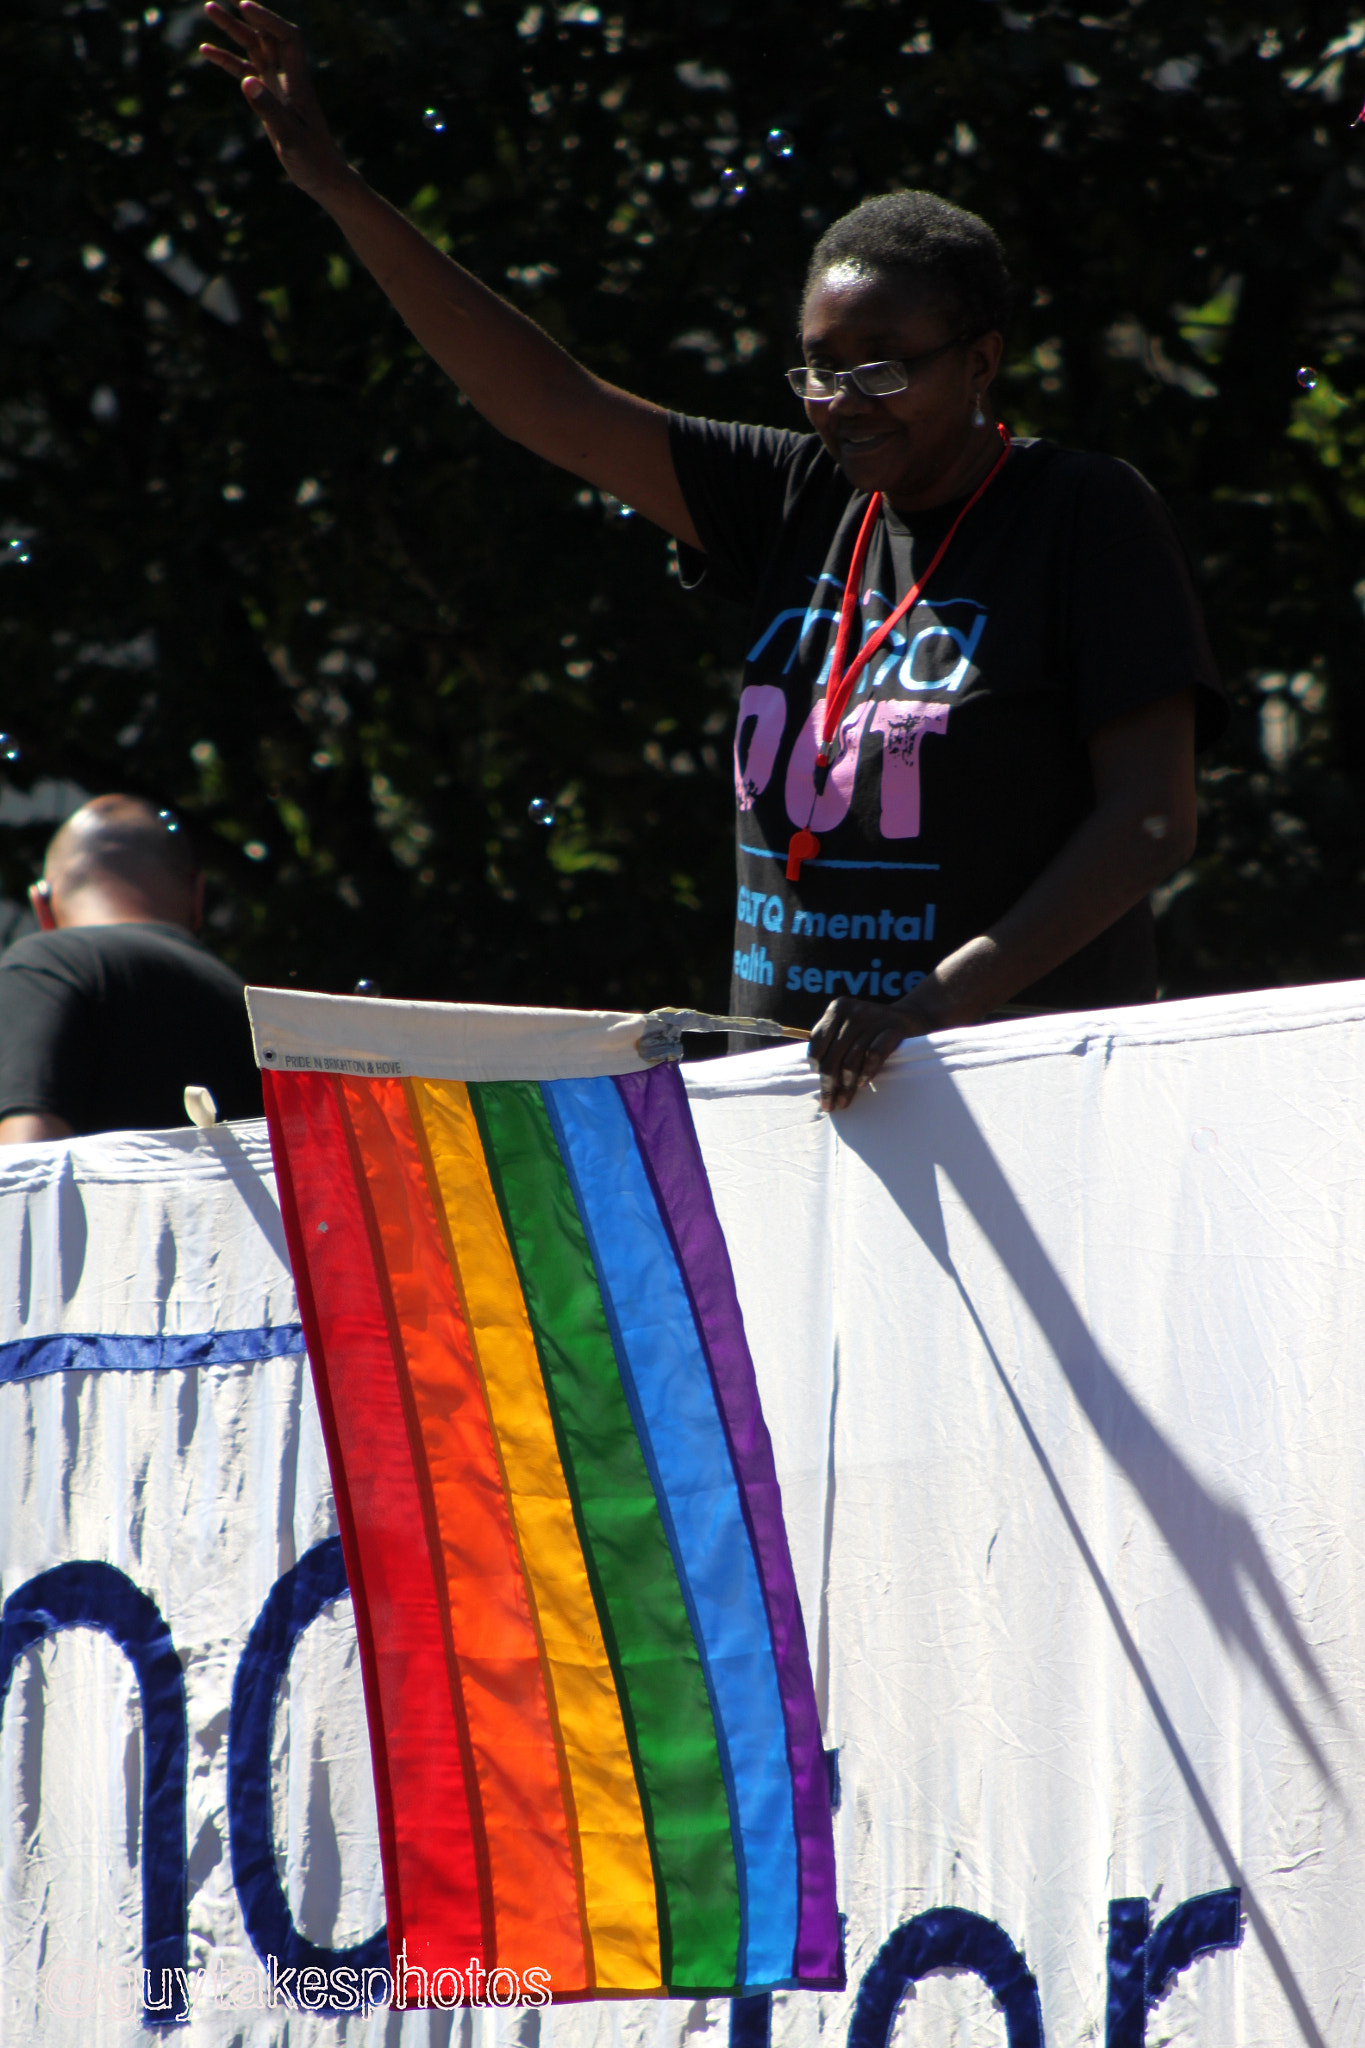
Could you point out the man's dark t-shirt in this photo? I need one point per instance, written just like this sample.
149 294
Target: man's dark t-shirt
105 1025
1063 602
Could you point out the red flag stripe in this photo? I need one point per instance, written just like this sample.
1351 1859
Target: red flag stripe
431 1850
498 1655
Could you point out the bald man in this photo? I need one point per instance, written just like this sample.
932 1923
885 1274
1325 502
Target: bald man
113 1007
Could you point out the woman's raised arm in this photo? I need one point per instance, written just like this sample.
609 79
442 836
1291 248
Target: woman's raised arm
523 383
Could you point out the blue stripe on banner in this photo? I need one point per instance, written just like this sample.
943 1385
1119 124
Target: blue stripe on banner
28 1358
668 1383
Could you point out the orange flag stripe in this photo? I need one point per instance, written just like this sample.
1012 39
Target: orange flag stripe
618 1876
436 1892
521 1786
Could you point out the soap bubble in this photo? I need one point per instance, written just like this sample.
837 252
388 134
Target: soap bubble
780 143
17 552
169 820
10 749
1308 378
1359 119
540 812
366 987
435 120
733 183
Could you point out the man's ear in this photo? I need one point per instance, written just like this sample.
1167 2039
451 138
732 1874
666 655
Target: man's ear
197 904
40 896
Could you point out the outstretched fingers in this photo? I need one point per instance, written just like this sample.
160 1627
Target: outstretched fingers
272 24
270 65
258 59
226 19
247 23
286 40
261 50
235 67
273 47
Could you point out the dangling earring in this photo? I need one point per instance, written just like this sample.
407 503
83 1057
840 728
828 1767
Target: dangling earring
978 417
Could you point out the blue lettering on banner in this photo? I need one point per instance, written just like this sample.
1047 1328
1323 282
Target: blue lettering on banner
751 2021
1142 1964
1142 1961
947 1938
294 1602
99 1596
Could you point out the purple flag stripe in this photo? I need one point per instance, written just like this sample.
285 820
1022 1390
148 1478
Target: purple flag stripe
657 1105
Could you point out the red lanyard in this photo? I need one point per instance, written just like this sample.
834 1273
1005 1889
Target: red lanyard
804 844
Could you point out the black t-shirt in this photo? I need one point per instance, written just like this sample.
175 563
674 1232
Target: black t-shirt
1062 602
105 1025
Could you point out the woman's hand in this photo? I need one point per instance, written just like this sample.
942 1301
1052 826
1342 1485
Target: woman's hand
273 73
853 1041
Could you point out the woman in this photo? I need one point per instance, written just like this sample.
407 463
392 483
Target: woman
965 748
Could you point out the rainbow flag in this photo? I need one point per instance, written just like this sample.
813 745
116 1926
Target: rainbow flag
593 1725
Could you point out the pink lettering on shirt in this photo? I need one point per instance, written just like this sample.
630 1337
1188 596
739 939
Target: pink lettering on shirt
766 705
830 808
903 727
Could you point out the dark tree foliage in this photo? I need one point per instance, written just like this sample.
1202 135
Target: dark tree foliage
283 580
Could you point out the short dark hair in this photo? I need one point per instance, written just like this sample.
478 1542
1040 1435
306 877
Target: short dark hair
952 254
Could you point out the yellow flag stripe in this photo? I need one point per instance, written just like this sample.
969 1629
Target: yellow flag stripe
618 1877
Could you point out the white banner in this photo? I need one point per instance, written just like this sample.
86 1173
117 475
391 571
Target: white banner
1056 1338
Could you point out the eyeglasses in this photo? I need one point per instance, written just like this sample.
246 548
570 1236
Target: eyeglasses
874 380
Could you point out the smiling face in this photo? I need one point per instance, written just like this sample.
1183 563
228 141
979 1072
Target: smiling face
919 447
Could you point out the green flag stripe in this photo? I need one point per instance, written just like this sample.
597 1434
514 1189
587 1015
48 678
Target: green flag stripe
634 1580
